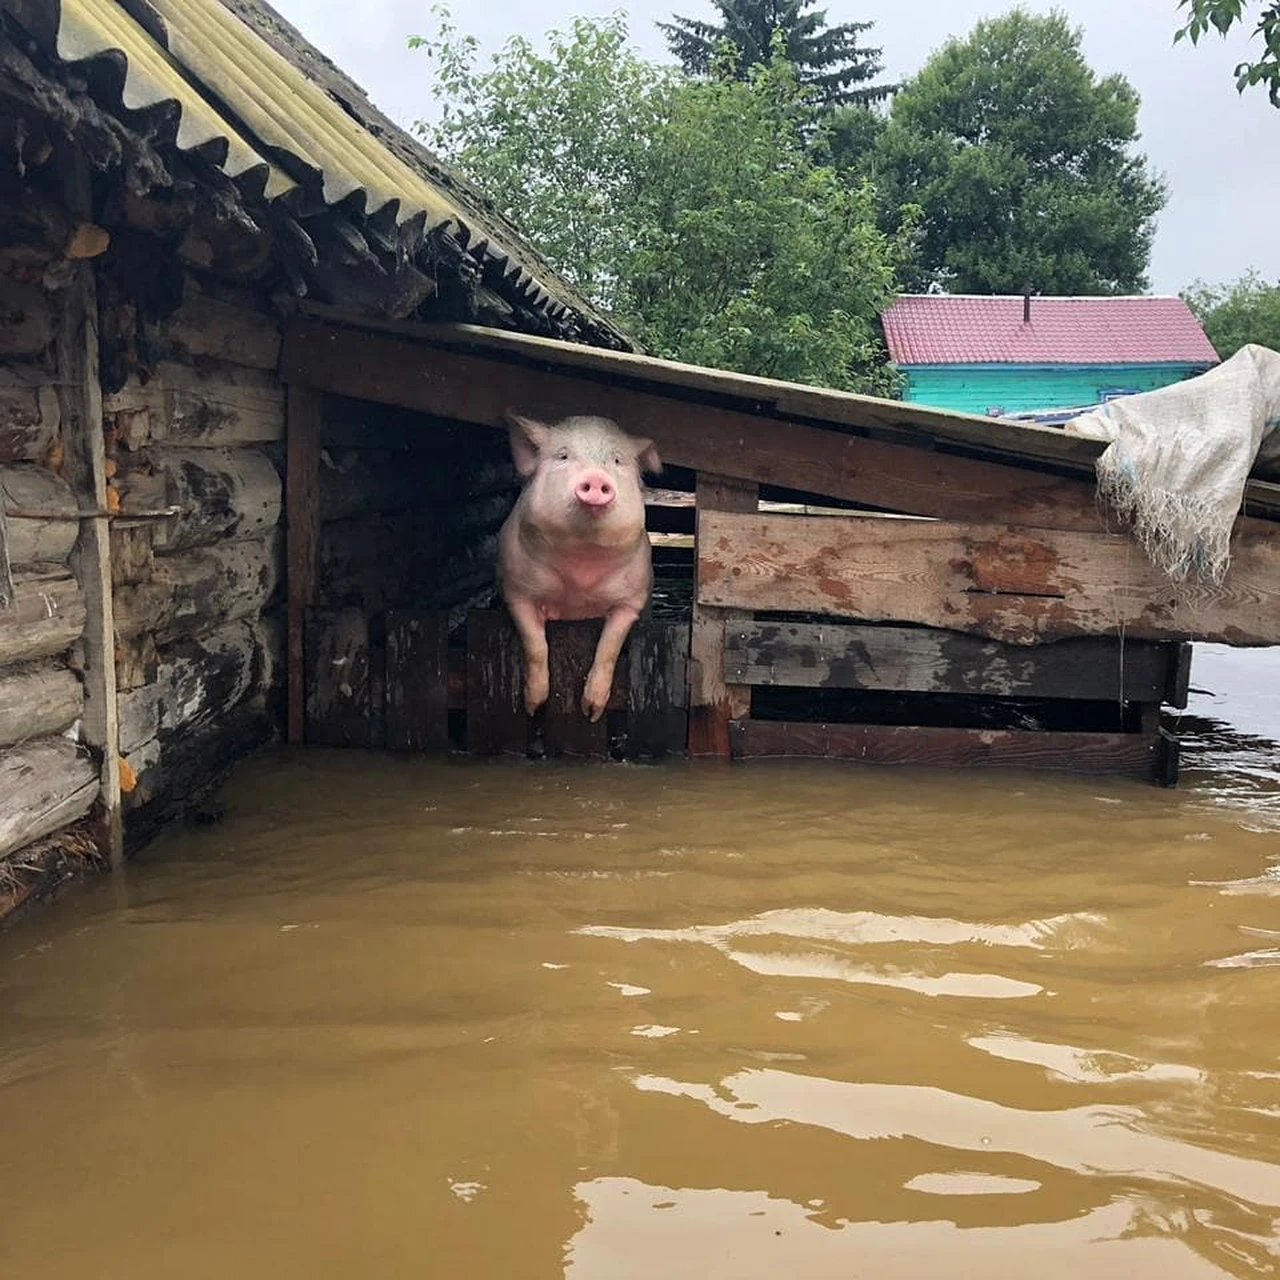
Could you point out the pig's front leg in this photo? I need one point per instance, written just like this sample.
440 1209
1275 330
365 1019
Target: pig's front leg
595 696
533 639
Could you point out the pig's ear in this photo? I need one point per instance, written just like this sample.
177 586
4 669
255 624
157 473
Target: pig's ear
647 456
527 438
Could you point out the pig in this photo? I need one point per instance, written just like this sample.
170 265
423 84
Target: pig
575 545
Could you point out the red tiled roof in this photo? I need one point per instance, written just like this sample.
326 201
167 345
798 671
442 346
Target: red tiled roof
967 329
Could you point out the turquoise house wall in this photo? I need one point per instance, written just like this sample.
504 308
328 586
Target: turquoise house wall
1020 388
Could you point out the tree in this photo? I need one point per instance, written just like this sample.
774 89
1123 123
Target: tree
695 211
828 60
1222 15
1021 159
1235 314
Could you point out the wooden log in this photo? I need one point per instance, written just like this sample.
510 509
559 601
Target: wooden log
47 617
339 702
197 590
27 319
44 786
80 399
657 690
132 556
29 413
713 703
1133 754
417 681
1022 586
197 679
567 733
213 408
26 487
220 493
37 701
236 331
919 660
496 720
302 516
719 441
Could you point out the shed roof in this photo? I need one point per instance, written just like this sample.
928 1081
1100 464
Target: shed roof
972 329
254 98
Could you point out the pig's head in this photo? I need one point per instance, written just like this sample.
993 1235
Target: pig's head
583 476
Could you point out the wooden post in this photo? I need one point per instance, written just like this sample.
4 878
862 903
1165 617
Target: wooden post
712 703
302 522
80 400
418 681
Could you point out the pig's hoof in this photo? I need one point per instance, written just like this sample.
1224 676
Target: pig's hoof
595 698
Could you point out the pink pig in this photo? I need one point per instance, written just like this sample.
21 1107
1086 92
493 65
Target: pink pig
575 545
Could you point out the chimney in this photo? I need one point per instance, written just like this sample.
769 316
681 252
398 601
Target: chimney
1026 305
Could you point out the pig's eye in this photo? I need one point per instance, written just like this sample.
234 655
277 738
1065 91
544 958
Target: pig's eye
562 455
617 459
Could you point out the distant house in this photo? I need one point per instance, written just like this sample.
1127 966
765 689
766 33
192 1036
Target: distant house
1019 355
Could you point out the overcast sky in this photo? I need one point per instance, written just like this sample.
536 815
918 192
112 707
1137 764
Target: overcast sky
1217 149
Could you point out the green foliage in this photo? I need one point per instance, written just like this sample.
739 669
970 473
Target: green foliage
695 211
828 60
1221 16
1235 314
1021 159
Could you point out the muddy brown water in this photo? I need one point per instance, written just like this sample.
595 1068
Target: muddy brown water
394 1017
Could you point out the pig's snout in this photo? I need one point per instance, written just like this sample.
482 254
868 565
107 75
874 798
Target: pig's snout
595 490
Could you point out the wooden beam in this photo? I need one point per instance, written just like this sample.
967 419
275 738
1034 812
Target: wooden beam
302 516
712 702
1022 586
1134 754
80 402
927 660
728 442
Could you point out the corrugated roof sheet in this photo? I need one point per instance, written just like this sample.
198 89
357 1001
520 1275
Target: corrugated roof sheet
265 122
968 329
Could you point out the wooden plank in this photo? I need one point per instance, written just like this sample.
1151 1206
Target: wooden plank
1023 586
1133 754
567 733
1013 445
38 701
657 690
339 685
302 516
7 590
926 660
1179 675
209 327
418 681
712 702
704 437
80 399
44 785
496 720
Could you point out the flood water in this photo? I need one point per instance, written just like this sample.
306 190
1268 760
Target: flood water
393 1018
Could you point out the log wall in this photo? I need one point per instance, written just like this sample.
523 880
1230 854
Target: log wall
198 622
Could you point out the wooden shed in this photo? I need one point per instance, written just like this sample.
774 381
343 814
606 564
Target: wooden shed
255 343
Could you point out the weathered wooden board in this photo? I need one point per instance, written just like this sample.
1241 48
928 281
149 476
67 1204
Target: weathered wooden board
47 617
567 733
925 660
221 494
417 681
712 702
496 720
238 331
37 701
1134 754
137 661
6 566
707 438
657 690
339 698
302 514
216 407
29 412
27 318
27 487
196 590
44 785
1022 586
